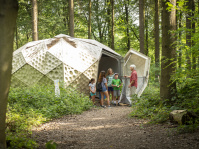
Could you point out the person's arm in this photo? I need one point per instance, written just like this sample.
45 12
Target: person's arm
133 80
127 76
90 89
105 83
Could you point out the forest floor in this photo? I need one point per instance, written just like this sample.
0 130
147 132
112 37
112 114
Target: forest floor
104 128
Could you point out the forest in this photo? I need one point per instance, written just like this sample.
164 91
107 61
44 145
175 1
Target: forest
167 31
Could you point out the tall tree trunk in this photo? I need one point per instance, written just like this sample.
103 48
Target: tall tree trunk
17 45
71 18
188 33
146 27
180 38
168 65
109 22
98 21
8 16
127 23
157 44
112 31
141 24
89 20
34 20
193 32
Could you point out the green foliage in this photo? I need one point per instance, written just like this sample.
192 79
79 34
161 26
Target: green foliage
51 145
32 106
149 106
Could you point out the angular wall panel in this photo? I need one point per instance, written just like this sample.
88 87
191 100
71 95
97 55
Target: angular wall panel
17 62
56 73
28 75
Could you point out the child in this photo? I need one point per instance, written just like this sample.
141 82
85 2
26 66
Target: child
109 77
116 83
92 88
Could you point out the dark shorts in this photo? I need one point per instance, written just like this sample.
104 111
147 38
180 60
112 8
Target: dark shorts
110 89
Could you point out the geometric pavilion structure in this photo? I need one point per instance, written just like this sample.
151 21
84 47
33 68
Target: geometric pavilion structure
73 61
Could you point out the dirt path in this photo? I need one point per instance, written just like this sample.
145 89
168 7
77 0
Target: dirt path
111 128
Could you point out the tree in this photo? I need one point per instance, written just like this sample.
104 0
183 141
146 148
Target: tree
8 16
141 23
127 23
112 30
34 20
193 32
89 20
168 64
71 18
157 47
188 33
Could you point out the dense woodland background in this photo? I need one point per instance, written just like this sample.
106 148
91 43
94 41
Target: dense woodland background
167 31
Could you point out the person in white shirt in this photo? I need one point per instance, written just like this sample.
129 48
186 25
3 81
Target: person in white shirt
92 88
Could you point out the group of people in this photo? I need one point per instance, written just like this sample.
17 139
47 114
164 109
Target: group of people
110 85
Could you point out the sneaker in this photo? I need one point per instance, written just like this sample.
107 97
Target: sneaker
103 106
109 106
119 104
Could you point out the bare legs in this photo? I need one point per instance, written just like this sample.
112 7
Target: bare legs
93 99
107 96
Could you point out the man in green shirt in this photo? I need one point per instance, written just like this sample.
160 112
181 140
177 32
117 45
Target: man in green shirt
116 83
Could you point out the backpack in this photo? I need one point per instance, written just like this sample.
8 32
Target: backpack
99 86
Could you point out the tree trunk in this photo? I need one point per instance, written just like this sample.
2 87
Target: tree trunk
8 16
146 27
71 18
157 46
109 22
34 20
168 65
89 20
193 32
17 45
127 23
112 31
188 34
180 38
141 24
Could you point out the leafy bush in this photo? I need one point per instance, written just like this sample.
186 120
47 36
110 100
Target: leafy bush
32 106
149 106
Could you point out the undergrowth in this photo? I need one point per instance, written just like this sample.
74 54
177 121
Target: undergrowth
151 107
28 107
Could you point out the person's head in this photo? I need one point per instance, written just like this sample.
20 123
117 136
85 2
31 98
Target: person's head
92 80
109 71
101 76
132 67
116 75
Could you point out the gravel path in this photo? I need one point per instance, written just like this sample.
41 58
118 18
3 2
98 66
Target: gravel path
111 128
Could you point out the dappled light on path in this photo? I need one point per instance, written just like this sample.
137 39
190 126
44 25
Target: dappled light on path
101 128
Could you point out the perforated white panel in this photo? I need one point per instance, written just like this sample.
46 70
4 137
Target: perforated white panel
28 75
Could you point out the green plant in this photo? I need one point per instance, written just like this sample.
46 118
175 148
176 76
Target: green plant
51 145
32 106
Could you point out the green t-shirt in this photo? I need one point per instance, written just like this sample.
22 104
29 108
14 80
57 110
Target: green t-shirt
109 78
116 82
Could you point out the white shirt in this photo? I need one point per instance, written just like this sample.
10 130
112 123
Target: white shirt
92 87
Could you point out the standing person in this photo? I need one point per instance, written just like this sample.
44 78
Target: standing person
133 80
110 77
92 88
103 81
116 83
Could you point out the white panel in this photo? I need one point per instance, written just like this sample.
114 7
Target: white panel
56 73
38 61
28 75
50 62
92 71
70 74
17 62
